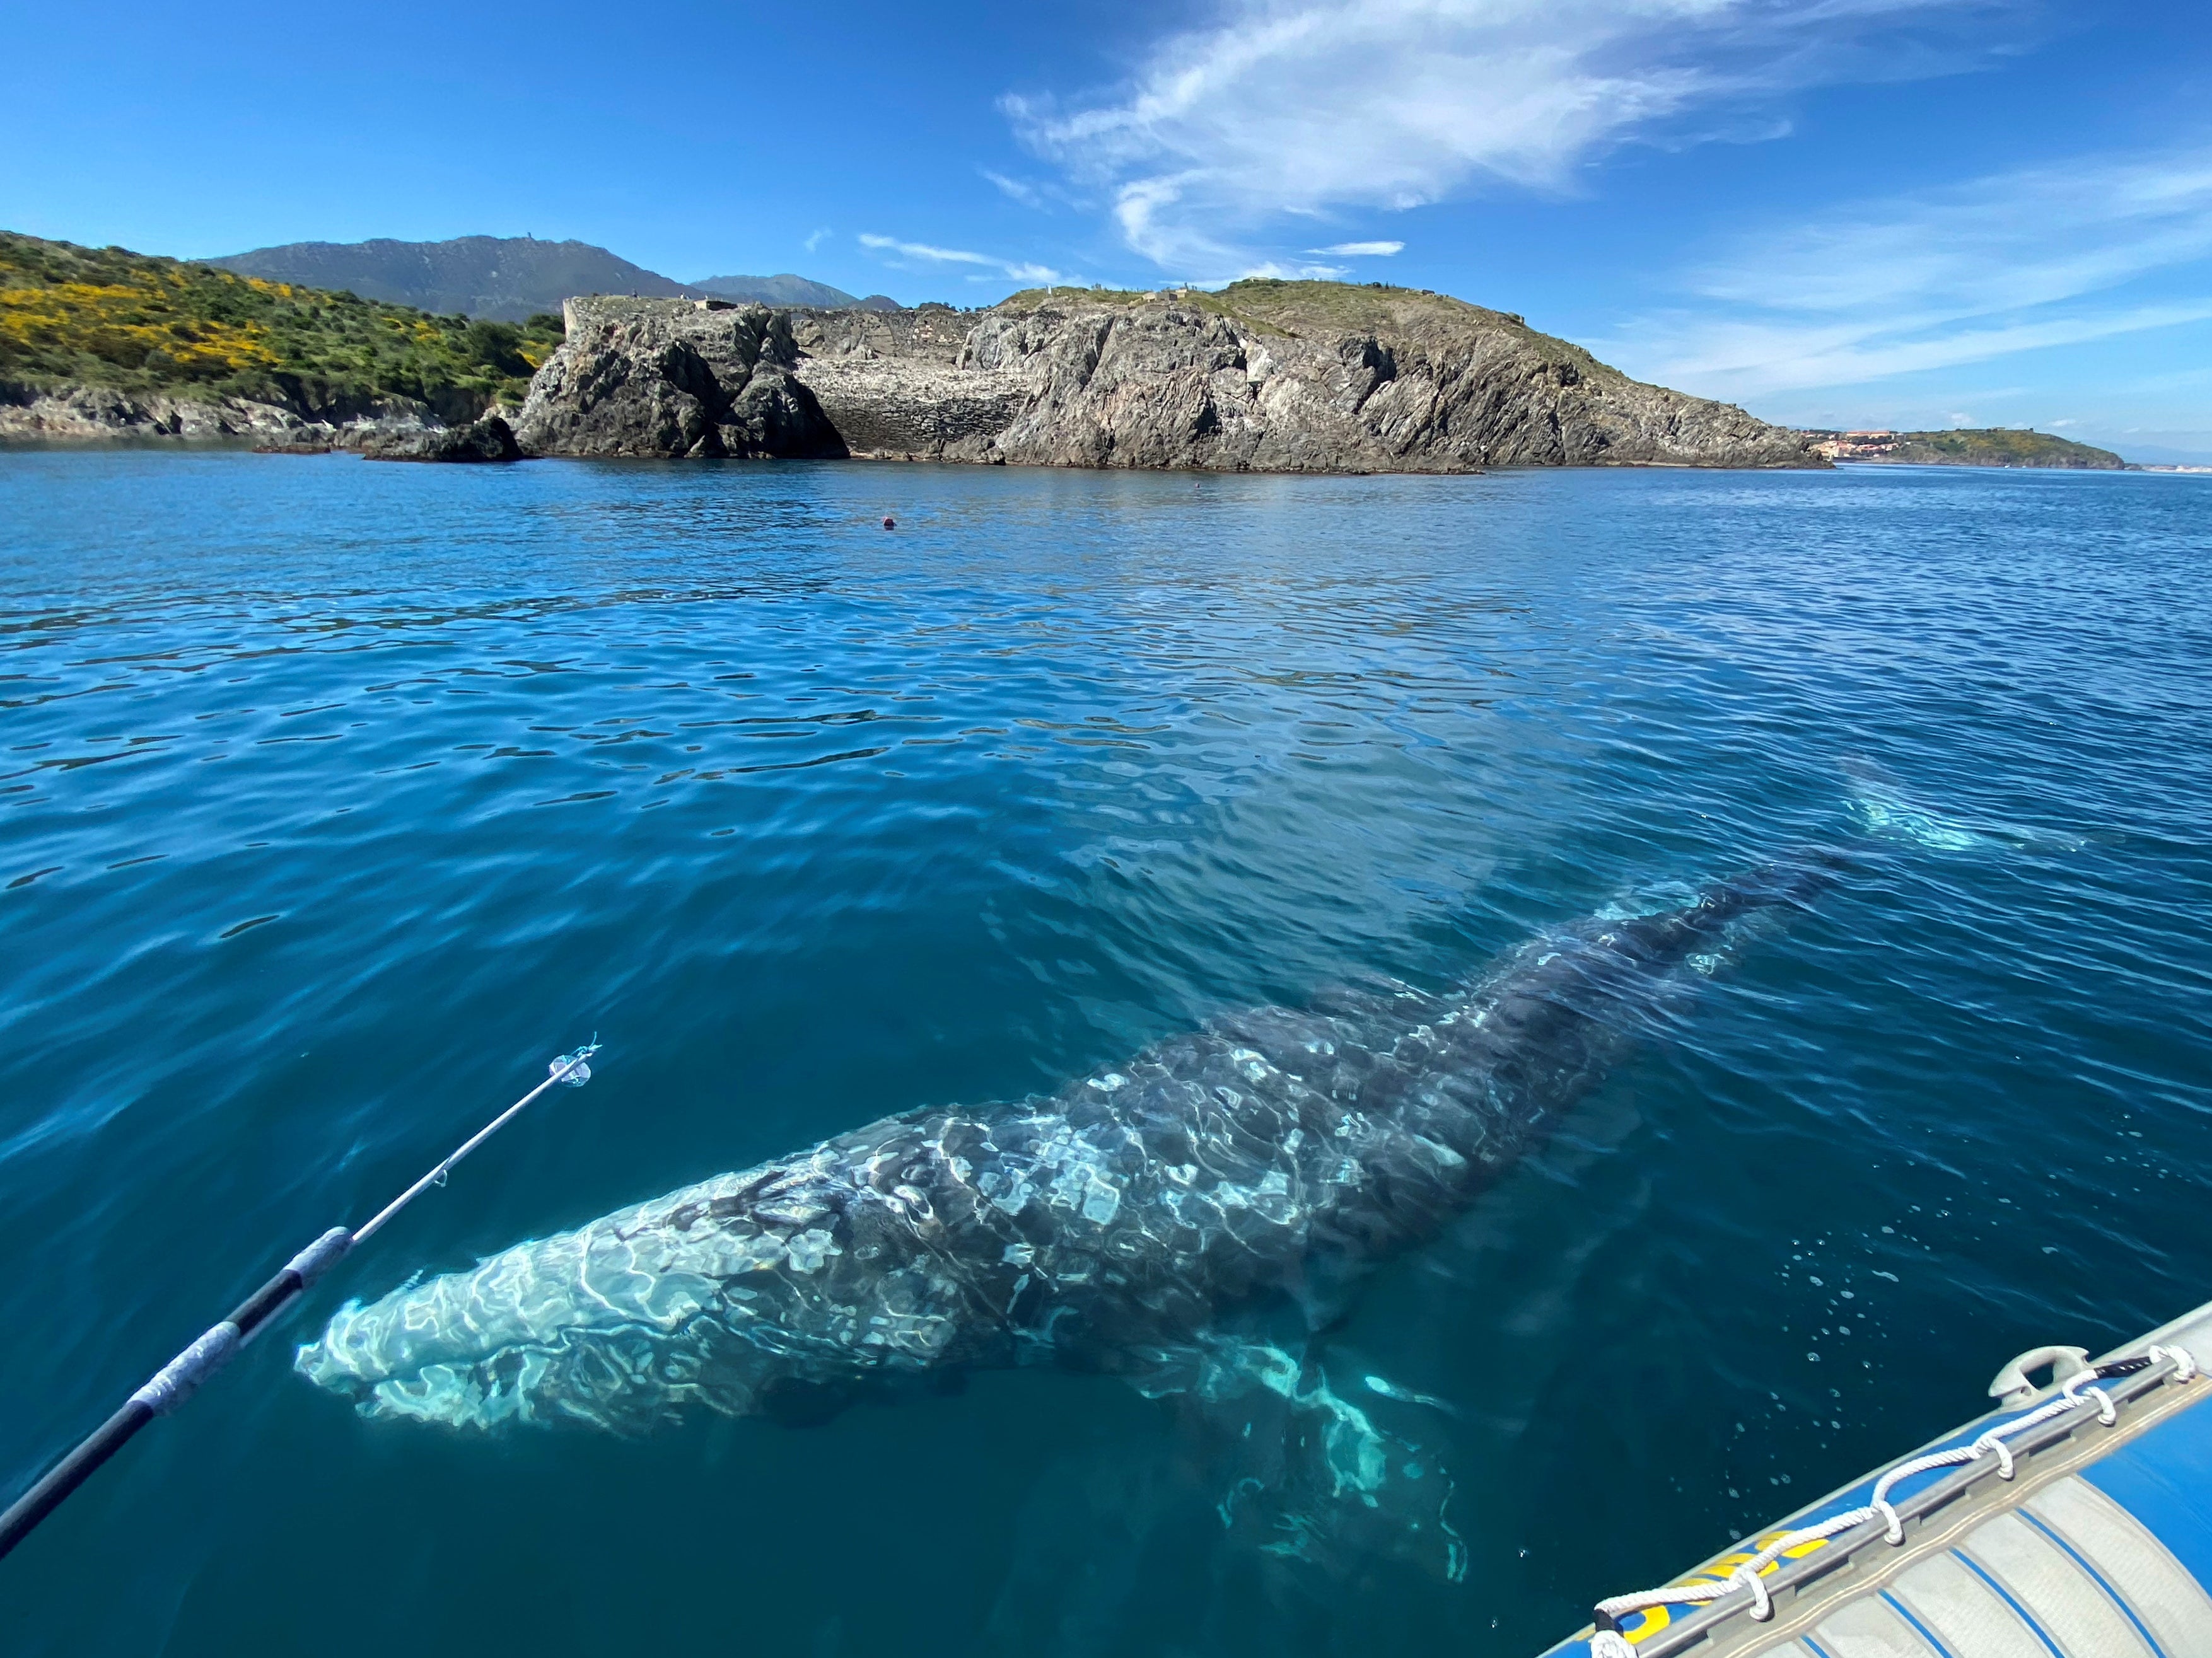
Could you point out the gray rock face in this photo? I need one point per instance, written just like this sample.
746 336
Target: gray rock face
1291 377
100 411
486 440
97 413
696 378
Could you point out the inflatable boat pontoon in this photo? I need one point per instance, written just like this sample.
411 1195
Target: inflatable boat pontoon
2075 1521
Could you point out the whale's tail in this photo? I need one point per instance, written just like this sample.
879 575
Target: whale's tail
1882 810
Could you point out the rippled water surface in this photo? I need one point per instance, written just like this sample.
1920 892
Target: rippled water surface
338 798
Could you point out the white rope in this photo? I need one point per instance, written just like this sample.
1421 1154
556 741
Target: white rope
2078 1392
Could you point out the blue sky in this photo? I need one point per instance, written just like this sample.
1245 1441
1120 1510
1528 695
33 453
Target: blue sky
1835 212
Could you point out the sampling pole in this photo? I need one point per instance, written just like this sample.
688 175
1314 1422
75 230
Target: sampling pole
180 1378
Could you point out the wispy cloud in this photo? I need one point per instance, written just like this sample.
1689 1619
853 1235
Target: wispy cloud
817 239
1362 250
2018 262
1299 106
1018 270
1020 190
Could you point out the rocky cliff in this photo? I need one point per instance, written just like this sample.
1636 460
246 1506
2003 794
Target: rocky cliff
73 413
100 411
1265 376
692 378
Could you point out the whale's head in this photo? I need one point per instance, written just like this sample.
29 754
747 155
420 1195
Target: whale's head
783 1292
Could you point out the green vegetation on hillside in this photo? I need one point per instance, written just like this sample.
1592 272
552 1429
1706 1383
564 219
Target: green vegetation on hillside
2000 446
72 315
1989 445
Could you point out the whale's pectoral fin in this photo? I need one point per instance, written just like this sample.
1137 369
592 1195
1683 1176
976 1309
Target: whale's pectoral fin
1303 1472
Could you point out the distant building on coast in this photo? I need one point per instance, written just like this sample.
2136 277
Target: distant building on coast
1854 446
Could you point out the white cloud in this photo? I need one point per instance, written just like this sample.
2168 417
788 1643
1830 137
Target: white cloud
2047 256
924 251
817 239
1019 189
1298 105
1362 250
1018 270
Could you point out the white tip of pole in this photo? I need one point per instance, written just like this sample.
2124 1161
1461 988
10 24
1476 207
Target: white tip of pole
577 1070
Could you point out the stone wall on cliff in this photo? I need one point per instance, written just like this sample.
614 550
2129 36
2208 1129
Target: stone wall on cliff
1294 377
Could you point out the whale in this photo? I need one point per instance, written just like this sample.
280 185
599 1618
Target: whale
1140 1222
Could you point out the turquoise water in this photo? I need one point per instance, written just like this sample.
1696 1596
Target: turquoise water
338 797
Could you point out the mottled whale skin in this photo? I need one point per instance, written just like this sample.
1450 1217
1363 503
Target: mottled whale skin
1111 1227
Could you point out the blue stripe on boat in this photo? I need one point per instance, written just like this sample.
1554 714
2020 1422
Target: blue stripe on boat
2010 1600
2097 1577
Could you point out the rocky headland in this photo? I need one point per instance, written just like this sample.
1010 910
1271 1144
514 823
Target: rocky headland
1265 376
1994 446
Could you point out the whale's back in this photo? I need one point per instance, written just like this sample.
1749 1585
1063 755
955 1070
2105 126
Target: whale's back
1105 1227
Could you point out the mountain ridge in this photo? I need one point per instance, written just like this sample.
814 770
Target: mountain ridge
789 289
505 279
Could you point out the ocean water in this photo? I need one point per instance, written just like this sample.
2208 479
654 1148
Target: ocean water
338 798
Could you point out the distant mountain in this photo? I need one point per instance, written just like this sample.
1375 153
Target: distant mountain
504 277
507 278
787 289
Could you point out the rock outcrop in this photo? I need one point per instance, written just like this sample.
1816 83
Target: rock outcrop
701 378
486 440
1267 376
93 413
100 411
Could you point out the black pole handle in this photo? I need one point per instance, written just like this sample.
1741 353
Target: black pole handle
172 1385
72 1471
178 1380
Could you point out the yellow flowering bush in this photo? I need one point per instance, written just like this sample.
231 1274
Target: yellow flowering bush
131 325
71 315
